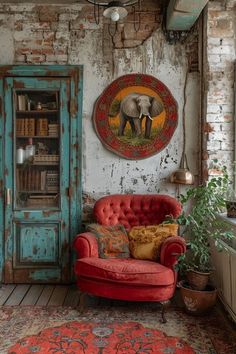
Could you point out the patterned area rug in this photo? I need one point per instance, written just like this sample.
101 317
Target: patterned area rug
117 329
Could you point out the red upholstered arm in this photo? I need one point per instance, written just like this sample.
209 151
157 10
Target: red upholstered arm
86 245
171 248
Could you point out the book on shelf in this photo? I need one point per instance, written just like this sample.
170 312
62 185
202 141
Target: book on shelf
26 126
20 127
31 126
42 126
43 180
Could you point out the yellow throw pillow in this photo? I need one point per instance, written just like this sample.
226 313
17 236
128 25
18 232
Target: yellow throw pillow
145 242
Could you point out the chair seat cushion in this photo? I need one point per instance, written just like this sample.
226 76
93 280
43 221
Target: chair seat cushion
138 272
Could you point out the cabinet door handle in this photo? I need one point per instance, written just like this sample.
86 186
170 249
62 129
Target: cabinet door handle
8 196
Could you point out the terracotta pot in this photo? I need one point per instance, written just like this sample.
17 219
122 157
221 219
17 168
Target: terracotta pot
198 302
197 280
231 209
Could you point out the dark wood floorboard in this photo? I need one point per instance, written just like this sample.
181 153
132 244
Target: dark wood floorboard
72 297
17 295
32 295
58 296
45 295
5 292
39 295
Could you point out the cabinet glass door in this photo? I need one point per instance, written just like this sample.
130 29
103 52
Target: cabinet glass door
37 214
37 149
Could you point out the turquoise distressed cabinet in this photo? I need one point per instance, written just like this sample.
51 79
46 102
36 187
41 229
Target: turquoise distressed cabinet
40 145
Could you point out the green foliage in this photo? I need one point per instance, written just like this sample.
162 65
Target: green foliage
202 224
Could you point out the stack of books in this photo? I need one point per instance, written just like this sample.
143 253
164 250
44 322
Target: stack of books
42 127
20 127
25 127
53 129
28 180
52 181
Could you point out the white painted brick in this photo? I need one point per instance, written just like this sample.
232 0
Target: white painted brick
220 41
221 136
221 100
222 49
213 145
214 118
216 127
227 145
223 156
213 108
227 126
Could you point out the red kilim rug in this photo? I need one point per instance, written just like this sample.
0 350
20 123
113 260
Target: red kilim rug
91 338
131 328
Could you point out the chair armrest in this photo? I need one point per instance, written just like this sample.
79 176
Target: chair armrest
86 245
171 248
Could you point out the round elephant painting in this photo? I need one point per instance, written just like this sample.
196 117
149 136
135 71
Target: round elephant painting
136 116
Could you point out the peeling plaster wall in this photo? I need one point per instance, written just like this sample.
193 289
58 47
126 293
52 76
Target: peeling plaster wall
68 35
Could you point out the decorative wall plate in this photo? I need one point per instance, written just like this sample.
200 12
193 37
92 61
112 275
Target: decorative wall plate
136 116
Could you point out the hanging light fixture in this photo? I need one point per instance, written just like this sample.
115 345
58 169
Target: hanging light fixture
183 175
115 10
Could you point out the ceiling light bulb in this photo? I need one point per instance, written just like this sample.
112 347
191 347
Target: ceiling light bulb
115 15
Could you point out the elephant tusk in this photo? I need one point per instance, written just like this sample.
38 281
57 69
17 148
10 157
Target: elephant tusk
150 117
140 116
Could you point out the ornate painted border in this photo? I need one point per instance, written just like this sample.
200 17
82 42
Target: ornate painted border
101 119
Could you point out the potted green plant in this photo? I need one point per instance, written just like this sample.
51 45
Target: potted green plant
230 196
202 226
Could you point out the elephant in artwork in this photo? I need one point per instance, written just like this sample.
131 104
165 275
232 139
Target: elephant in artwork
133 108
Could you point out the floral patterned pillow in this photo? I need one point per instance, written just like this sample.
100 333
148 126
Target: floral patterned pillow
113 241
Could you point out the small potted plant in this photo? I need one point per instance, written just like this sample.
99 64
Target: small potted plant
202 226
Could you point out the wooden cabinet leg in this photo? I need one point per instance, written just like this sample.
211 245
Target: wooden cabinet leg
164 307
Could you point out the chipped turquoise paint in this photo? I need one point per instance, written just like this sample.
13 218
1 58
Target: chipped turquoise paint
30 238
37 243
45 275
76 156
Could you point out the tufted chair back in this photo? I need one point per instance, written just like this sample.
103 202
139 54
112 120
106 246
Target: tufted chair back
135 209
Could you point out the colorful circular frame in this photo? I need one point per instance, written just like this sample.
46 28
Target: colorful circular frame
106 117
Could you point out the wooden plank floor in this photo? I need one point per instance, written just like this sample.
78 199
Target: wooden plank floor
39 295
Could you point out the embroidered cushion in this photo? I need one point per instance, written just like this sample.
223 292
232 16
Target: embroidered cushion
112 241
145 242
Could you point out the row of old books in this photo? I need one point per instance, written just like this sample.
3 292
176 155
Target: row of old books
52 181
34 180
53 129
32 127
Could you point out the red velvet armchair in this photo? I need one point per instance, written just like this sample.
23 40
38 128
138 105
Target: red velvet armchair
130 279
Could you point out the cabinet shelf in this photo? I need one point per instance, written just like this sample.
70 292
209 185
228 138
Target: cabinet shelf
37 136
39 164
35 112
43 193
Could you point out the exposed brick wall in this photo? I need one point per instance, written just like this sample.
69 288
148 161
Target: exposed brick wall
218 129
68 34
44 34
